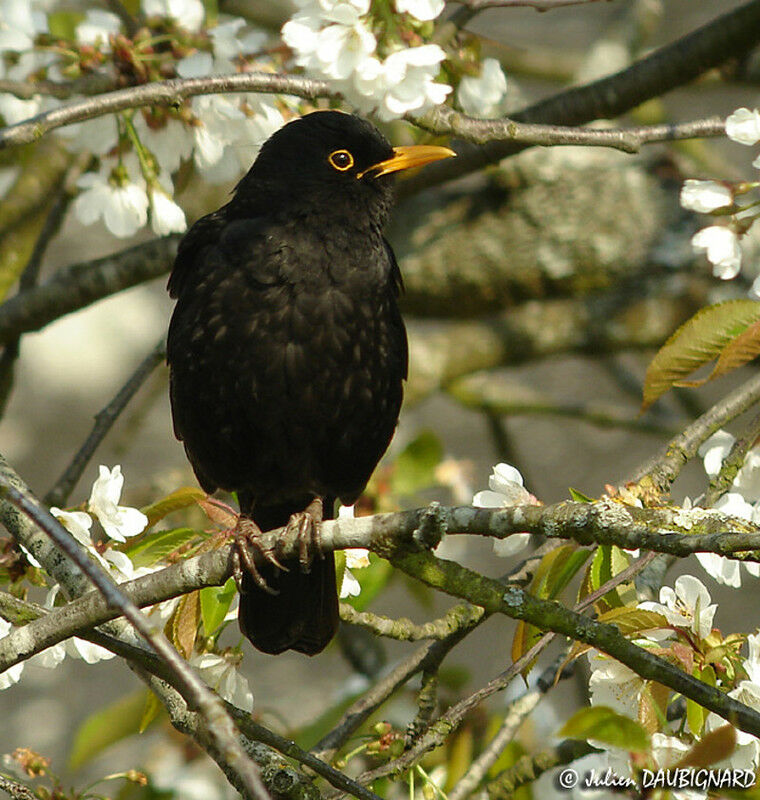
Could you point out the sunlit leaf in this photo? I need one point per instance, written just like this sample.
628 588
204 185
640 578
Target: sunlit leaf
106 727
156 546
579 497
607 726
634 620
215 603
697 342
742 349
151 710
181 498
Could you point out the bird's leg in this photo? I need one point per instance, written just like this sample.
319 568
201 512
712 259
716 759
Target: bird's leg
247 536
304 526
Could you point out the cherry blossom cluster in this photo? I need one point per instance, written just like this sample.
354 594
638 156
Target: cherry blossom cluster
376 54
721 243
120 523
688 638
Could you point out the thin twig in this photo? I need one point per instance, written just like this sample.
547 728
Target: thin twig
104 420
517 711
195 692
530 767
78 285
402 629
539 5
657 474
664 69
732 463
29 276
16 790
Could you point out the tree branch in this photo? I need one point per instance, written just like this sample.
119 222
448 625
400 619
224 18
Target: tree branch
668 67
79 285
104 420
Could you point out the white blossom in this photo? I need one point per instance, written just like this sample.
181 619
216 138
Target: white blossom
98 135
97 26
165 215
356 558
170 144
506 489
422 10
221 674
188 13
14 109
705 196
615 685
77 523
743 126
686 606
18 26
122 206
12 674
668 751
483 95
410 77
119 522
87 651
721 246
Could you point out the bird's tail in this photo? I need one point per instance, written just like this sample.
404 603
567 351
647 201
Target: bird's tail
303 615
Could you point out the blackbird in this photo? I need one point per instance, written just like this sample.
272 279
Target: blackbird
287 352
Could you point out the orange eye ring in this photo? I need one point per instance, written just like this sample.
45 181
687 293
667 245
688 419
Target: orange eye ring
341 160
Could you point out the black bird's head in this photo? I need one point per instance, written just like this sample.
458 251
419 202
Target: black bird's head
332 161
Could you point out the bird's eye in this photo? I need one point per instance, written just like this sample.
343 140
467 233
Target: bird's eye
341 160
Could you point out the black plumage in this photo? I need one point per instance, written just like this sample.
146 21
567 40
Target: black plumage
287 350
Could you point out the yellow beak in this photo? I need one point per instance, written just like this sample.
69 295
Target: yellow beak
415 155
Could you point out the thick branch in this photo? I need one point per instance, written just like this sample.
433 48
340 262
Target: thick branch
78 285
670 66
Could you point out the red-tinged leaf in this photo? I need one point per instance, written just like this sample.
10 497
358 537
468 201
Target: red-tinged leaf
607 726
653 704
181 498
184 624
741 350
218 513
697 342
711 748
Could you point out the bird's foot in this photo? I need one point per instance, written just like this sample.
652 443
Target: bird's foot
246 537
304 528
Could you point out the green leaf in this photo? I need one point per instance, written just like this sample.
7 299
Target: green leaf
215 603
414 468
634 620
579 497
552 575
698 341
608 561
179 499
742 349
154 547
152 709
106 727
608 726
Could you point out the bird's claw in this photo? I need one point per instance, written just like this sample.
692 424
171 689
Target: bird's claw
247 537
304 527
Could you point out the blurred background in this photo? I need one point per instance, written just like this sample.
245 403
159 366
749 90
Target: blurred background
587 249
